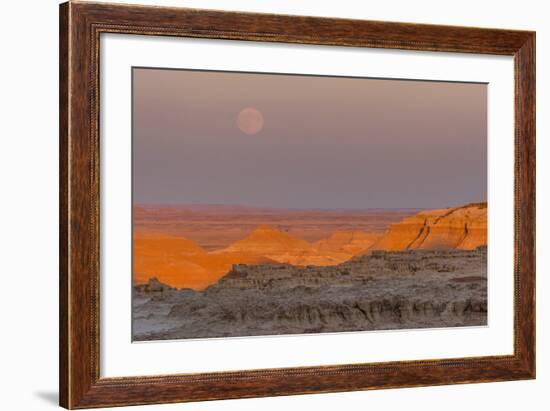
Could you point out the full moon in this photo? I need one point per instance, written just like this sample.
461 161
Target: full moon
250 121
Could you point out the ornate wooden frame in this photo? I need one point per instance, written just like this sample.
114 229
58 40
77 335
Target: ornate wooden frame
80 27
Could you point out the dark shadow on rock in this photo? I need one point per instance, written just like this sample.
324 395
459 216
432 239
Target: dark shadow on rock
51 397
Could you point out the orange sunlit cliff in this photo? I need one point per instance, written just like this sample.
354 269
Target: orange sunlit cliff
182 263
462 228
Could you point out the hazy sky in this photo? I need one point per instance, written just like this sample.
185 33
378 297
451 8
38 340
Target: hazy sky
326 142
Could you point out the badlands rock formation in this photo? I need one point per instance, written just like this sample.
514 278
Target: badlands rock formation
283 248
181 263
347 242
166 258
215 227
463 228
379 290
273 244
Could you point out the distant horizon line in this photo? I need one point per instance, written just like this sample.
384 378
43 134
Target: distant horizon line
257 207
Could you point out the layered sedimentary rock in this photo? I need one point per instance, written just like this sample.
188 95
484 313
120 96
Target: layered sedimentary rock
215 227
463 228
166 258
380 290
283 248
268 241
381 264
181 263
347 242
153 286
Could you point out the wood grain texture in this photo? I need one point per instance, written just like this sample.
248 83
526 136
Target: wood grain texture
63 205
80 27
525 203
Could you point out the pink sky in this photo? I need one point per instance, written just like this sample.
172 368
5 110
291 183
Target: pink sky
326 142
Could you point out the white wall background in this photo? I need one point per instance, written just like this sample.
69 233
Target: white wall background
29 219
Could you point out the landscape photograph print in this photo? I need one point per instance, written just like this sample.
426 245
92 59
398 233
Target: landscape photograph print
276 204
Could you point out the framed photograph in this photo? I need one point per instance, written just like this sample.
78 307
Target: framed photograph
258 205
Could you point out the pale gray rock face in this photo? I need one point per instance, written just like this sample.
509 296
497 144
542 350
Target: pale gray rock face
377 291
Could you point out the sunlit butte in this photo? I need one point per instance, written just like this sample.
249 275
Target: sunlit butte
250 121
